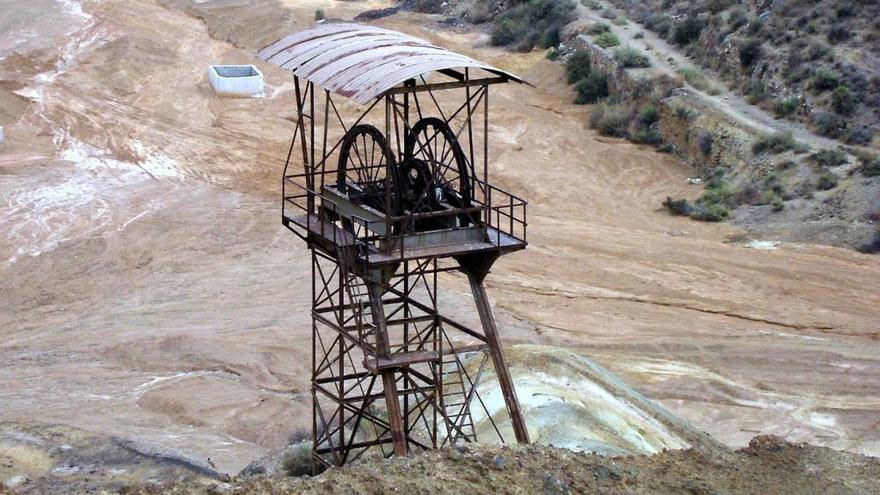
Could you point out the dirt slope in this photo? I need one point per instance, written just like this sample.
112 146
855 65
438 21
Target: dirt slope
152 294
768 465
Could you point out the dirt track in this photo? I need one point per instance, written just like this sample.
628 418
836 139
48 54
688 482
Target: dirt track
153 294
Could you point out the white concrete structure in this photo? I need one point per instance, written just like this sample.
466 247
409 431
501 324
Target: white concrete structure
2 136
245 81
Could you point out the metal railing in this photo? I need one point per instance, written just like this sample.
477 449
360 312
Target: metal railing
501 216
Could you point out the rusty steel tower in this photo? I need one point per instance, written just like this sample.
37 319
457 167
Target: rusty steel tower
387 201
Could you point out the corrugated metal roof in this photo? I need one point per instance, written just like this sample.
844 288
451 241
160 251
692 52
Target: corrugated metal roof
363 62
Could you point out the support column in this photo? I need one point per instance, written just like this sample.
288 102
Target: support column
389 384
497 353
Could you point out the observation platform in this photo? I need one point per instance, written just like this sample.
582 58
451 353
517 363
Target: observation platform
478 239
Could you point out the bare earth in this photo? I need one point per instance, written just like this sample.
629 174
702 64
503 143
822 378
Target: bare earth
152 294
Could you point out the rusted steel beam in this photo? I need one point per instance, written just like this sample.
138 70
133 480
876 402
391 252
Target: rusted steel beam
497 353
447 85
389 384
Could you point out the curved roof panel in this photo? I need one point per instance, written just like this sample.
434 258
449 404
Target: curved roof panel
363 62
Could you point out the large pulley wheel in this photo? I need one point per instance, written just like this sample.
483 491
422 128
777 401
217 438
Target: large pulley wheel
367 172
434 172
432 145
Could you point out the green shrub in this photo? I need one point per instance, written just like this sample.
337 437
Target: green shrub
695 78
553 54
713 212
837 34
591 4
777 203
591 88
756 91
860 134
659 23
705 142
611 119
750 52
872 246
843 100
737 19
829 158
479 12
606 39
533 23
779 142
717 192
716 6
598 28
620 21
578 66
827 124
639 35
825 79
787 106
870 165
430 6
687 31
320 15
649 115
685 113
298 460
826 182
768 196
647 136
629 57
817 50
679 207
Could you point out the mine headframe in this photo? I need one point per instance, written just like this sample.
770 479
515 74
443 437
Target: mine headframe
387 200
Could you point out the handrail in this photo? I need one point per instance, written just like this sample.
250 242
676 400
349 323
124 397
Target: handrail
498 213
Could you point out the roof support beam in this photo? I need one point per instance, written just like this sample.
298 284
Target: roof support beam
447 85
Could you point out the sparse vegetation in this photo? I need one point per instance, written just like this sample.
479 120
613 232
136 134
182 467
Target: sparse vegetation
829 158
679 207
320 15
787 106
779 142
750 52
712 206
430 6
872 246
606 39
578 66
598 28
297 461
828 62
705 142
697 79
532 23
838 33
777 203
630 57
687 31
827 124
843 101
825 79
826 181
591 88
611 119
870 165
649 115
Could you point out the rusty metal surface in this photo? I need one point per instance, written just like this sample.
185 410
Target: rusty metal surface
363 62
